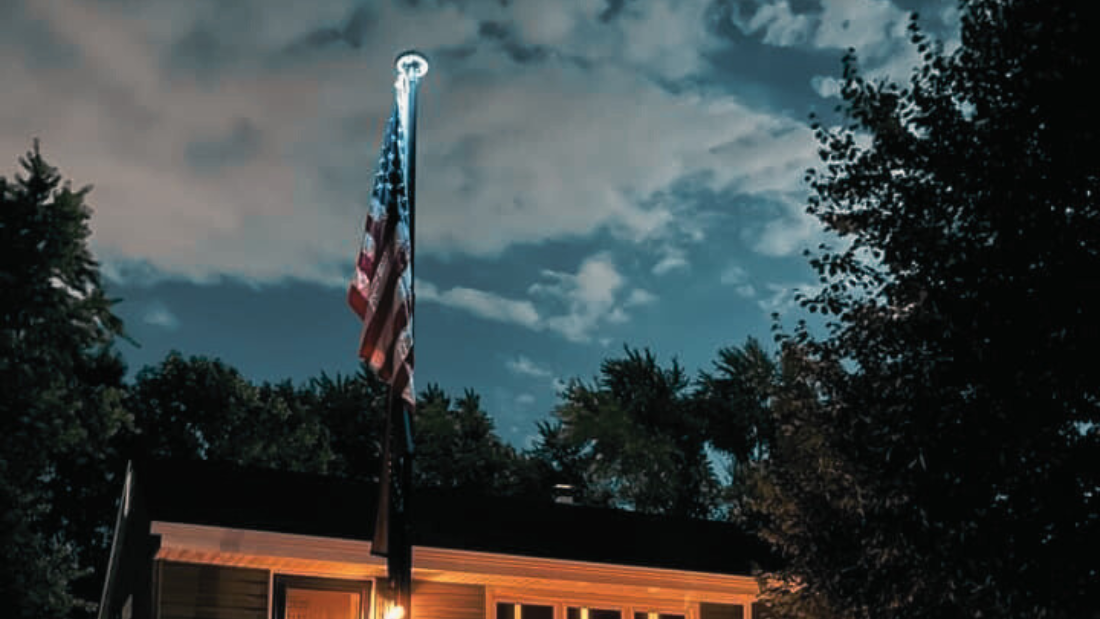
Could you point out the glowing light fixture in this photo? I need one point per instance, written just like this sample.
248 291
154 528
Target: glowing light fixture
412 63
395 612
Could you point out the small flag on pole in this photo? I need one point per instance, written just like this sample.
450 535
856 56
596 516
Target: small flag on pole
381 290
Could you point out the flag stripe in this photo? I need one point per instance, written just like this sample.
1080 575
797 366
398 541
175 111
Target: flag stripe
380 292
379 332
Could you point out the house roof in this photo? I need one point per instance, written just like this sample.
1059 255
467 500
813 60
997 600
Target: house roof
276 501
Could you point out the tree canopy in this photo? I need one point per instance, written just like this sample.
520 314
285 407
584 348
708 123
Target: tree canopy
937 452
651 438
62 390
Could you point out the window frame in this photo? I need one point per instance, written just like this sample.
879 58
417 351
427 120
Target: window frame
658 610
317 583
563 601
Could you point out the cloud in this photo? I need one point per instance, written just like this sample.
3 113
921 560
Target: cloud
746 291
788 234
640 297
667 36
593 158
482 304
559 385
589 297
826 86
573 305
777 22
781 298
871 26
220 151
672 259
524 366
235 139
158 315
733 274
876 29
736 276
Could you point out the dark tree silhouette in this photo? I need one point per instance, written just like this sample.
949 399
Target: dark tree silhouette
61 384
352 411
202 409
937 451
457 447
639 433
737 395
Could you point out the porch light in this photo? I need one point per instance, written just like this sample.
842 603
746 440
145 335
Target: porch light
395 612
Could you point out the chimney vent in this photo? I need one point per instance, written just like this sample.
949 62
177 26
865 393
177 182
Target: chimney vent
563 493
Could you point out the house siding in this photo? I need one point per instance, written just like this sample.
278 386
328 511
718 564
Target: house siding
721 611
193 591
434 600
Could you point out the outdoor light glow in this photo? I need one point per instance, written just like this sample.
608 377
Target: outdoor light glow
413 64
395 612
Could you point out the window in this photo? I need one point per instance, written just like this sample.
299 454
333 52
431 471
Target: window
657 615
592 613
298 597
507 610
508 604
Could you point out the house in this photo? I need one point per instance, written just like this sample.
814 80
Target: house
206 541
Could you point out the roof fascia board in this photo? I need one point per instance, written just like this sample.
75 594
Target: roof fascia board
333 556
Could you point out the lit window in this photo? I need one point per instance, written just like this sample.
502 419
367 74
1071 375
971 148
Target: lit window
320 598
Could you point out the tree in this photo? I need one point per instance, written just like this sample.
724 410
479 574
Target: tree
559 459
61 385
641 436
352 410
202 409
736 396
457 447
937 449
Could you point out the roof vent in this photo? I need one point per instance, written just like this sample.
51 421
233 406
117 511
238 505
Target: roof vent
563 493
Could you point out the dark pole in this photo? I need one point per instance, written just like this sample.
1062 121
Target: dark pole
410 66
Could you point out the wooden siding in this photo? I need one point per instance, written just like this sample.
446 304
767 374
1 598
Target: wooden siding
193 591
721 611
437 600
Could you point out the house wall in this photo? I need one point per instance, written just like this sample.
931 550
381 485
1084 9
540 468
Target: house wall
199 591
239 566
196 591
127 592
205 591
721 611
437 600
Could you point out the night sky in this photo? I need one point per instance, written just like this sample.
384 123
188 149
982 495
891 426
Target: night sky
591 172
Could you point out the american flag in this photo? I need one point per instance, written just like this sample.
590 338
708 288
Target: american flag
381 290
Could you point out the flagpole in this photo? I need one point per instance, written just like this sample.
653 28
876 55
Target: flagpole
410 67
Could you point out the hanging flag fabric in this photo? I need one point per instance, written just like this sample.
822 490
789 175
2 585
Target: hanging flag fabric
381 290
